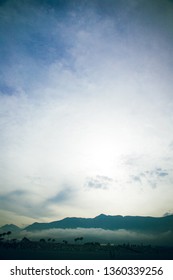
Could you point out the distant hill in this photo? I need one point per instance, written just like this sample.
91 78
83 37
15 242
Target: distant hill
11 227
107 222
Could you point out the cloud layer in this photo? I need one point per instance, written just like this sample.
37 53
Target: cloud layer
99 235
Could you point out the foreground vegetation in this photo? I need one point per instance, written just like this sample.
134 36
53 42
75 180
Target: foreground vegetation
50 249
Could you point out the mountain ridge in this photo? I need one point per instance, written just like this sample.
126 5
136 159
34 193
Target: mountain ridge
10 227
109 222
106 222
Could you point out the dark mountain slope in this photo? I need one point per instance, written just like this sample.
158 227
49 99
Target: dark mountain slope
137 223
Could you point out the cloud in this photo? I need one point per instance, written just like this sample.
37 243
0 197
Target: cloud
136 179
161 173
25 203
63 196
171 145
102 236
152 177
99 182
168 213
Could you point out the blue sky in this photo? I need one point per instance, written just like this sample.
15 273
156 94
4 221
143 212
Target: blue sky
86 109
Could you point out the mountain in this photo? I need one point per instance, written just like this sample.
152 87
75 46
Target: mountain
107 222
11 227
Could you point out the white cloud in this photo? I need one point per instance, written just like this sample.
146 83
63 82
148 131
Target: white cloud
103 236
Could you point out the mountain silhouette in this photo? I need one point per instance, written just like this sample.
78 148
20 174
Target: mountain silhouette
107 222
10 227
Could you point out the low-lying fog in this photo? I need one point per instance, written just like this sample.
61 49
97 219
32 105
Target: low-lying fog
99 235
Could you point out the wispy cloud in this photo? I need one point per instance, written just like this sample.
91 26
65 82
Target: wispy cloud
152 177
63 196
25 203
98 182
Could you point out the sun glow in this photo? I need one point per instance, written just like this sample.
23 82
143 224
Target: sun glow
100 148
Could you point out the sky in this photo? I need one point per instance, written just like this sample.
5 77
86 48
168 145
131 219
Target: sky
86 109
